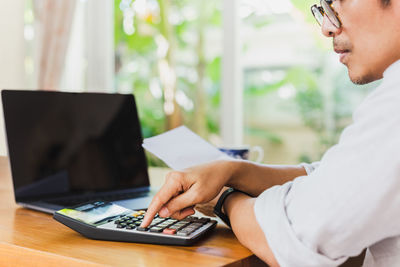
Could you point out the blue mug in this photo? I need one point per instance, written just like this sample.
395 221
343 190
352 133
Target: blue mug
244 152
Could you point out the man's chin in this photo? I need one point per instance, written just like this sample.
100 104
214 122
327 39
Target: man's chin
361 79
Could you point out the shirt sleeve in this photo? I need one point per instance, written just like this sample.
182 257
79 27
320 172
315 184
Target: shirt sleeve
285 244
350 202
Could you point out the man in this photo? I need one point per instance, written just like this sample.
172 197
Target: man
324 213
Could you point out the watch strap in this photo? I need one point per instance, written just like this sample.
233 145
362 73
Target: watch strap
220 203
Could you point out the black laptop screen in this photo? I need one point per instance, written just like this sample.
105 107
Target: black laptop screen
63 144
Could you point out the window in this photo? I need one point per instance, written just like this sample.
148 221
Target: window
282 87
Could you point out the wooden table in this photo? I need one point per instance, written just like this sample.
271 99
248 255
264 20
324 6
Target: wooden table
31 238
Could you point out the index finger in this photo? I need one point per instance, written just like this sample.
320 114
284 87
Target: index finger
167 191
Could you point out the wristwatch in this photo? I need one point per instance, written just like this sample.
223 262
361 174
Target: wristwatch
220 203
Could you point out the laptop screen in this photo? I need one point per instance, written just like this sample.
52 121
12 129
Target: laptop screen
64 144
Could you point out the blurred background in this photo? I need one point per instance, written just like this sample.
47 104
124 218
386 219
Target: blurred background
254 72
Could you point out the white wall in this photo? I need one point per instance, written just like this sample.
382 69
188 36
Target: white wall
11 53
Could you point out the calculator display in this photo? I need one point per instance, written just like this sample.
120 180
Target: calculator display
93 214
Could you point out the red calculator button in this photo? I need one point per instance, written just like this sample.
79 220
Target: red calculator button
169 231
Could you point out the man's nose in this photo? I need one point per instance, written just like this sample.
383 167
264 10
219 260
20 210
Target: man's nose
328 29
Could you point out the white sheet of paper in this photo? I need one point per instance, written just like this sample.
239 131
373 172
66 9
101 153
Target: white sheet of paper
180 149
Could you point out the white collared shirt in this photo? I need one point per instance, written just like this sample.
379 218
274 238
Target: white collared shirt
351 200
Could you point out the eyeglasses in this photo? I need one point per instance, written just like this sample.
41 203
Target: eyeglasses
325 9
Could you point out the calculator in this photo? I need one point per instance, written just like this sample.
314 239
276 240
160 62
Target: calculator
108 221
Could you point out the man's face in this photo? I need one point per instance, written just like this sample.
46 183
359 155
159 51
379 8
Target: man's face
369 40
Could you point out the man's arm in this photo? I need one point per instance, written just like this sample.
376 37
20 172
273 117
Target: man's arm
240 210
183 190
255 178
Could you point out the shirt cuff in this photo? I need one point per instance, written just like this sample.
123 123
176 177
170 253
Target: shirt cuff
270 212
310 167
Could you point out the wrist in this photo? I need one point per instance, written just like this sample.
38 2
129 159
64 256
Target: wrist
239 170
225 205
235 168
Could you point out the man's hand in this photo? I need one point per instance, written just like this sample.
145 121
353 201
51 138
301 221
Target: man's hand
183 190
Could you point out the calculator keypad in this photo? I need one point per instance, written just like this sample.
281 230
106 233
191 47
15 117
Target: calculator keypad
160 225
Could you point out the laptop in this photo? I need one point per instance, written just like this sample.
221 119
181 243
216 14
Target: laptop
70 148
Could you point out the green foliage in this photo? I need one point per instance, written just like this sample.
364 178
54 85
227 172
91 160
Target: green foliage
305 158
308 96
272 137
304 7
214 70
140 51
257 90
